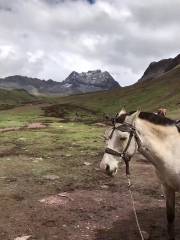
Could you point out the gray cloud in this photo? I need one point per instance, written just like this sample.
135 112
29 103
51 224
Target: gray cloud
50 38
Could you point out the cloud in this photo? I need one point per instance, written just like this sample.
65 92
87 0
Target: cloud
51 38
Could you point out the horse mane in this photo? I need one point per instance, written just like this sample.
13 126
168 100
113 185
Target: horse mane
156 119
150 117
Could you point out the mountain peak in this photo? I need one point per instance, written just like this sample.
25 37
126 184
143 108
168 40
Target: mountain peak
157 69
75 83
95 78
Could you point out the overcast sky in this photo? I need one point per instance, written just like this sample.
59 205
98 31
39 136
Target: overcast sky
50 38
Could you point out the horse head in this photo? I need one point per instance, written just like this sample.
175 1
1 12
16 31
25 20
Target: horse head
120 142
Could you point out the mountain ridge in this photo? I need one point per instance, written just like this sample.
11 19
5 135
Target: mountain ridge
75 83
157 69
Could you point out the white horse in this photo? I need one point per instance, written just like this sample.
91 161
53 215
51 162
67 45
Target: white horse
155 137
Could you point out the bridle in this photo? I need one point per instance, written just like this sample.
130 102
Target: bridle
125 127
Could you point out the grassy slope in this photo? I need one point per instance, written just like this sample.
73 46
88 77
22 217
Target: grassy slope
161 92
9 98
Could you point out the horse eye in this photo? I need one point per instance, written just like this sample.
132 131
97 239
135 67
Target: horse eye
122 138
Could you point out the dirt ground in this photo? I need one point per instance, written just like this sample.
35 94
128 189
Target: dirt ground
51 186
99 211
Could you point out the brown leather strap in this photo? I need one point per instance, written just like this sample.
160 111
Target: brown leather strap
110 136
126 128
113 152
129 141
138 140
132 132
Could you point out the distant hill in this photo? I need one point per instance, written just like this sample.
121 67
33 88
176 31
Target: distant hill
159 87
162 91
75 83
11 98
157 69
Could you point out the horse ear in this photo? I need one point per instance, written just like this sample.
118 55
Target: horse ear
133 117
123 111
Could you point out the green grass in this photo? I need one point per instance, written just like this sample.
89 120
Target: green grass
59 145
20 116
71 137
59 149
23 115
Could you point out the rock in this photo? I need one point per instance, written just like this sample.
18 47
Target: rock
68 155
36 160
23 237
51 177
87 163
56 200
104 186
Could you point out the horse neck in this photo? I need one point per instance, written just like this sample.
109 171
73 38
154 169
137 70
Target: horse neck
157 141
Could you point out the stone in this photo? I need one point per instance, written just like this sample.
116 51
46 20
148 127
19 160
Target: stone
87 163
23 237
104 186
51 177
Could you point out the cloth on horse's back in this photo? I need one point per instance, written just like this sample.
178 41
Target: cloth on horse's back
162 112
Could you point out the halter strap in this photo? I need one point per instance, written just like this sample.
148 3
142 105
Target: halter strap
113 152
129 129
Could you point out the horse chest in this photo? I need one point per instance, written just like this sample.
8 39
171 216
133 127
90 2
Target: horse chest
170 176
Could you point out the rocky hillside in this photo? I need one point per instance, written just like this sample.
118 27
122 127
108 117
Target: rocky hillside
75 83
91 81
157 69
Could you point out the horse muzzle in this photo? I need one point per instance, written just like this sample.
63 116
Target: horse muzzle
111 172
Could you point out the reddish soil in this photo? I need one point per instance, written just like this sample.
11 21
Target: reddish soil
99 212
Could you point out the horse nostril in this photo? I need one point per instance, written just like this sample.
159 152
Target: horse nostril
110 172
107 168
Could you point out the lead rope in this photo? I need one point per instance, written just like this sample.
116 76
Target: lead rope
133 206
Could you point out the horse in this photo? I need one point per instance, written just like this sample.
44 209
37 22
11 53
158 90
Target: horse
158 139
